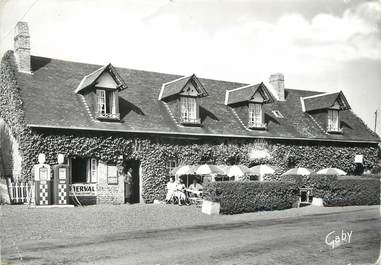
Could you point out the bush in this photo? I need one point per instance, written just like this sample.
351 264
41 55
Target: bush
339 190
241 197
346 191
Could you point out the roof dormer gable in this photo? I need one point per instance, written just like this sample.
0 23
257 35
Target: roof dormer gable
250 93
184 86
105 77
335 100
106 81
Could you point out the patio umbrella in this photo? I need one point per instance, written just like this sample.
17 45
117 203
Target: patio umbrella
174 170
209 169
261 170
331 171
184 170
298 171
224 168
237 170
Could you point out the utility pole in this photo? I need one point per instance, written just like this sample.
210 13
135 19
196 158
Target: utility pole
375 121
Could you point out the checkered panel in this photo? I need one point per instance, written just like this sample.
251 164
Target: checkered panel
44 194
62 193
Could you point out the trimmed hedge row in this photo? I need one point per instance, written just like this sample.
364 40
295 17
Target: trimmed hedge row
241 197
345 191
340 190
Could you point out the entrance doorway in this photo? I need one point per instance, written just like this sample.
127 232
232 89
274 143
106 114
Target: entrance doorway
135 165
78 170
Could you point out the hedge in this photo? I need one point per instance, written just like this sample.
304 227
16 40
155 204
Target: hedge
349 191
241 197
339 190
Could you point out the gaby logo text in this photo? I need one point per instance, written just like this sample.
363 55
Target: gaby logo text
334 239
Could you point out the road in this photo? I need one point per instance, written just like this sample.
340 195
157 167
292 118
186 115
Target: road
293 240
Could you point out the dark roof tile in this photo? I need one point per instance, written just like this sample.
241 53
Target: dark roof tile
50 101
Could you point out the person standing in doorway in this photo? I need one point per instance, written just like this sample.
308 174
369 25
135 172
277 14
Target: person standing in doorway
128 186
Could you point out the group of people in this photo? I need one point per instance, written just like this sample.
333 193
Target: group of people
176 191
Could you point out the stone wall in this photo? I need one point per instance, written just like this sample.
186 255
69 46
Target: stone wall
109 193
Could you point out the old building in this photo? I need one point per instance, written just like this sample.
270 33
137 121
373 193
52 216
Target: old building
102 116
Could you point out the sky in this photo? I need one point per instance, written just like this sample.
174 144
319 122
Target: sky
320 45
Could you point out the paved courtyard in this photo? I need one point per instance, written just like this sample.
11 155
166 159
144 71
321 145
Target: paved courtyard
162 234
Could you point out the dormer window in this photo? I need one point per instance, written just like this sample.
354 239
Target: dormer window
107 104
256 116
329 103
188 108
333 121
100 90
248 101
182 96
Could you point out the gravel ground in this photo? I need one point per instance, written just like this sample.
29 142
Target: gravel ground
20 223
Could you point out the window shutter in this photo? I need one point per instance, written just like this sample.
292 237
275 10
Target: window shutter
335 119
192 108
258 113
93 170
197 103
88 171
184 108
116 102
251 113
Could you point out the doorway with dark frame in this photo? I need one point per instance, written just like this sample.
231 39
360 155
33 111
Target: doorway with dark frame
134 165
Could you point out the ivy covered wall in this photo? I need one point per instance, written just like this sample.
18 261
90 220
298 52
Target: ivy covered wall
155 151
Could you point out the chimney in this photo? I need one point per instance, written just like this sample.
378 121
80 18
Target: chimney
277 81
22 47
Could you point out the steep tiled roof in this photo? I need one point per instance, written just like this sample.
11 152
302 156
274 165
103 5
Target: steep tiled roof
245 93
324 101
50 101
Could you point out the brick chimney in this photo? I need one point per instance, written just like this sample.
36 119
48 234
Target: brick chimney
277 81
22 47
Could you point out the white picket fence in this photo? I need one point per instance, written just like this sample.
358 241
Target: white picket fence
19 191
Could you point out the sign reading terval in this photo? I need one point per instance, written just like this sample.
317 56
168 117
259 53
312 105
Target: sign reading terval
83 189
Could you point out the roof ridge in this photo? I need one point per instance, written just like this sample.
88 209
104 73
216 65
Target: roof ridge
242 87
320 95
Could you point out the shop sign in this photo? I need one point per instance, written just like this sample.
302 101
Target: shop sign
359 159
258 153
83 189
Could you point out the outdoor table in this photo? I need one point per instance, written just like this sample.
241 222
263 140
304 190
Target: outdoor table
198 193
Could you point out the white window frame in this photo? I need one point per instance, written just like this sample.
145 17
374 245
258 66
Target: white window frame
102 101
188 109
255 114
171 164
333 120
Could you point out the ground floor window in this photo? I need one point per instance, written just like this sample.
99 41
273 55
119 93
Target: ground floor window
305 196
224 178
254 178
84 170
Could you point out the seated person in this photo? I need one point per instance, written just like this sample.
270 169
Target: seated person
171 188
196 187
179 193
